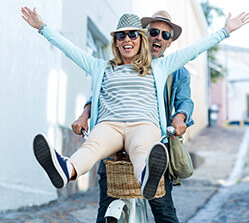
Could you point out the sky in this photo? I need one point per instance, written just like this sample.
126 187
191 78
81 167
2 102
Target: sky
240 37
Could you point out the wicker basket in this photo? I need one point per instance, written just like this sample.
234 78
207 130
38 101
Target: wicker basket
122 183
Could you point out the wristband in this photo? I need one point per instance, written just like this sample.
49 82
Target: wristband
224 30
40 31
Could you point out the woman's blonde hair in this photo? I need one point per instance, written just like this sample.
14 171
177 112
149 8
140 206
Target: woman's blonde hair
141 62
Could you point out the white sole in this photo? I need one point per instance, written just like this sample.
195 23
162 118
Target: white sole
156 166
46 156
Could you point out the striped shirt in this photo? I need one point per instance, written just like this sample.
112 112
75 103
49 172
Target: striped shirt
127 97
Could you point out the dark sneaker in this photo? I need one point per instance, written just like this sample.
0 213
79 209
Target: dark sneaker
53 163
156 165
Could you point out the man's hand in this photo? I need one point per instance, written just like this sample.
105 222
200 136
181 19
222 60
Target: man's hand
179 124
235 23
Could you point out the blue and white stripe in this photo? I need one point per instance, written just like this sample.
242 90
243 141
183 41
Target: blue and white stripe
127 97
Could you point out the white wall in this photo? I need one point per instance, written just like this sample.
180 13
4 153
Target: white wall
238 93
27 63
235 60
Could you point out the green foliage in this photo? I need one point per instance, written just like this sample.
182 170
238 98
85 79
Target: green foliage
210 11
217 71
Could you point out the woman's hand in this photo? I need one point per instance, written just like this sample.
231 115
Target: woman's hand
32 17
80 123
237 22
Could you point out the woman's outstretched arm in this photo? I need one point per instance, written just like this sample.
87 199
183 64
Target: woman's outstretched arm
86 61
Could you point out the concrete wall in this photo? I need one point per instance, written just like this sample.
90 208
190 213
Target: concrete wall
27 71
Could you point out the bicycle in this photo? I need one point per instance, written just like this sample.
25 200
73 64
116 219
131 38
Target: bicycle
131 210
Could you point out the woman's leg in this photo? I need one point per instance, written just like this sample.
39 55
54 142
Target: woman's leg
140 136
105 139
148 155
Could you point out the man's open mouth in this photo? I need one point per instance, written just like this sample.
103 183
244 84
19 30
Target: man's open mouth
156 45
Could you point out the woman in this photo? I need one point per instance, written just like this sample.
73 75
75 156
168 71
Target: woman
127 106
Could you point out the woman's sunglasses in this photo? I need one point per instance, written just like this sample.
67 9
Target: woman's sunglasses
120 36
155 32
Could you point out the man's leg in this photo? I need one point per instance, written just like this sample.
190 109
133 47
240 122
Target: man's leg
163 208
104 199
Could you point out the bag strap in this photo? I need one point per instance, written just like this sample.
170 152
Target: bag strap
175 181
169 84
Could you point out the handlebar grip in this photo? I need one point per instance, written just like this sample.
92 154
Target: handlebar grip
171 130
84 132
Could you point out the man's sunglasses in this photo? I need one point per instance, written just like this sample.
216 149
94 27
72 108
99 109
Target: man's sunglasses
155 32
120 36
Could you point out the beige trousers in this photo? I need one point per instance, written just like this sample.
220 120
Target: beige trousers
107 138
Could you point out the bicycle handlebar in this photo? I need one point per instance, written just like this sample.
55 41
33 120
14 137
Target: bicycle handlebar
171 131
84 132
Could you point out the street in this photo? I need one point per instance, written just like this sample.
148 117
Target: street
218 191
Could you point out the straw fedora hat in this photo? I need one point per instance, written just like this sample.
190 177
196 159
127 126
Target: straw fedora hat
129 22
164 17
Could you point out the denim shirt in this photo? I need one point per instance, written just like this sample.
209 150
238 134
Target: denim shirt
180 96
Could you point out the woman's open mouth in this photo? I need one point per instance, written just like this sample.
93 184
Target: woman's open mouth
128 48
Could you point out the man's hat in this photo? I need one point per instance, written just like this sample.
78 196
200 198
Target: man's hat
129 22
164 17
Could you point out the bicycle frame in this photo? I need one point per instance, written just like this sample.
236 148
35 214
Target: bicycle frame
137 210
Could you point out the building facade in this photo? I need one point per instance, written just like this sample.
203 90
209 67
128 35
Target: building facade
231 94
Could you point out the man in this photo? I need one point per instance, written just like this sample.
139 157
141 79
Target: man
162 32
